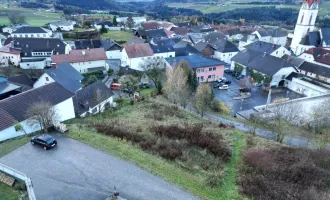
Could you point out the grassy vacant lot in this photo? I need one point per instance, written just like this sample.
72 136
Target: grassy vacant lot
7 192
196 169
33 17
10 145
118 35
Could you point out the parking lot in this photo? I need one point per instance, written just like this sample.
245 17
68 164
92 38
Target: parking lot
73 170
258 96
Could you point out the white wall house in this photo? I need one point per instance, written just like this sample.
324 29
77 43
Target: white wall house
279 40
63 25
32 32
98 108
303 86
85 67
281 75
8 54
37 63
136 54
65 110
13 28
280 52
164 55
225 57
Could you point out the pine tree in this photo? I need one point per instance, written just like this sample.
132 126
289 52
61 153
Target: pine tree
114 21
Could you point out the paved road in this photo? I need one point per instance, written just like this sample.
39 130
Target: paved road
296 141
74 170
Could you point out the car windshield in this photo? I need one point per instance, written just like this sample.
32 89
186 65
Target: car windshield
50 140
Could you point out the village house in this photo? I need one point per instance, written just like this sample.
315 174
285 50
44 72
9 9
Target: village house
135 40
9 56
13 110
107 25
246 40
63 74
22 80
268 48
7 88
13 28
31 32
224 50
83 60
92 99
163 47
36 52
137 20
63 25
184 48
276 68
134 55
207 69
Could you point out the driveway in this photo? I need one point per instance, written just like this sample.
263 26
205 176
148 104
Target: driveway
74 170
258 96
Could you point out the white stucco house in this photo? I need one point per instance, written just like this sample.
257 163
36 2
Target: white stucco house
137 20
83 60
224 50
92 99
64 25
32 32
36 52
135 54
9 55
13 28
163 48
13 109
268 48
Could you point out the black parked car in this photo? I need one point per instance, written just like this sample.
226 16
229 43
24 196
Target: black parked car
44 140
227 82
228 71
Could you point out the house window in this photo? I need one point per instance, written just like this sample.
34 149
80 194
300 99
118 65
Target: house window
209 76
202 70
283 76
302 18
198 70
210 69
310 20
276 52
47 79
202 78
213 77
214 68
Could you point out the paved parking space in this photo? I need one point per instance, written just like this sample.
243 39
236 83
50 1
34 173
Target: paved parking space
73 170
258 97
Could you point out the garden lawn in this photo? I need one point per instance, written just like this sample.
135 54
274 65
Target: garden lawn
118 36
10 145
7 192
146 92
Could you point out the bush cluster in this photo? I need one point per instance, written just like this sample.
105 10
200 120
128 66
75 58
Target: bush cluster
162 146
195 136
286 173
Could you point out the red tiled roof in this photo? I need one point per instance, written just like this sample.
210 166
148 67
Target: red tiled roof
150 25
8 49
138 50
320 54
83 55
179 31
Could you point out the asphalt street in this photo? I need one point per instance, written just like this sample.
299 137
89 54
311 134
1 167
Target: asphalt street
74 170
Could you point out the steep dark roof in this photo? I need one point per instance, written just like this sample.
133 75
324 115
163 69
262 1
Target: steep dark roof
30 29
264 33
135 40
262 47
224 46
214 37
312 39
179 30
87 44
183 48
261 62
6 120
194 61
278 33
162 45
128 71
17 106
183 24
155 33
67 76
21 79
325 35
90 97
200 46
29 45
315 69
109 45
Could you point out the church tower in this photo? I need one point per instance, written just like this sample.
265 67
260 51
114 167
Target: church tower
305 22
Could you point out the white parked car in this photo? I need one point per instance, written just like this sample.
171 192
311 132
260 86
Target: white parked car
224 87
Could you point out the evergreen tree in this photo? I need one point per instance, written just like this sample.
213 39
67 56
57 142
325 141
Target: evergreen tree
114 21
194 83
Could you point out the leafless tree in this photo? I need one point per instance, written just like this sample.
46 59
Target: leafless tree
154 68
42 114
284 114
176 86
16 19
203 98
